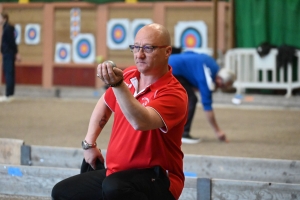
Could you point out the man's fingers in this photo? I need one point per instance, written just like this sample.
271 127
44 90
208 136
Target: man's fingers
101 159
93 166
109 73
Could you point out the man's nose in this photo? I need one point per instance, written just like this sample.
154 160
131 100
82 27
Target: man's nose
140 53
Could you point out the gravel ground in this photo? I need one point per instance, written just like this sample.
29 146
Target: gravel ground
253 131
257 132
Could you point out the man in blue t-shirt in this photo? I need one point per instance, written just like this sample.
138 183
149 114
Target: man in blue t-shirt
200 71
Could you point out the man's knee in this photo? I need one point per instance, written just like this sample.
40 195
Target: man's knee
56 193
112 188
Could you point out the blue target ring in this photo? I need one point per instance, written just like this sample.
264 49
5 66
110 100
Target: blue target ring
191 38
16 34
138 28
118 33
62 53
83 48
31 33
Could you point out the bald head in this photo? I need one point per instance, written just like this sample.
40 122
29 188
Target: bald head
156 38
157 31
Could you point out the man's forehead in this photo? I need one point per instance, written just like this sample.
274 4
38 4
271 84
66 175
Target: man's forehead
145 38
145 32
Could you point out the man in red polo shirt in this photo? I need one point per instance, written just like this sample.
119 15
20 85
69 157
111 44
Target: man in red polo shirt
144 158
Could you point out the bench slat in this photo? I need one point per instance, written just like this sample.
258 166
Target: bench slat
240 190
31 180
250 169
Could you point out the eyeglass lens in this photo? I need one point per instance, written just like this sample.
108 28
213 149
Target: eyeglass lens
146 49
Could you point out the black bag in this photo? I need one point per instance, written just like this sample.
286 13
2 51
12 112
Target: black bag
86 167
286 54
264 49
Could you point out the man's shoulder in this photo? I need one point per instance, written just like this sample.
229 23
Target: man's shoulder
7 24
129 71
174 86
8 27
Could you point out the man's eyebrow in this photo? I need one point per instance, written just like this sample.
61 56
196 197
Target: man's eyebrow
136 44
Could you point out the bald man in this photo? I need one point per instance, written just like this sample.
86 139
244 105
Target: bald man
144 158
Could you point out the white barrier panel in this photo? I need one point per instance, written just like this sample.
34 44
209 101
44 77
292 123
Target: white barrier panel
239 168
241 190
252 71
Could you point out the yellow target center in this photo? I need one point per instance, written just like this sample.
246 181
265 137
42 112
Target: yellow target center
32 34
118 33
190 41
83 48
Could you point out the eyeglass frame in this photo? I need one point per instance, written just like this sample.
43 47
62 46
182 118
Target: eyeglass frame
132 47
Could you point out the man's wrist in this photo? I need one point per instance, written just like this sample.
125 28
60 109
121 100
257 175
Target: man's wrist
85 145
117 84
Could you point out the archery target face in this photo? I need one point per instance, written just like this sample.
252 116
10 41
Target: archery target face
137 29
191 38
117 33
191 34
136 25
84 48
32 34
75 20
63 53
17 33
75 12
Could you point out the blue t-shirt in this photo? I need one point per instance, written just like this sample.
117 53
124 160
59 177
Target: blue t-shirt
200 70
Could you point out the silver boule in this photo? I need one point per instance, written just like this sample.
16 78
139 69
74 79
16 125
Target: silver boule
111 62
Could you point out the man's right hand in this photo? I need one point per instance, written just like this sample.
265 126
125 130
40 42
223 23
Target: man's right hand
91 155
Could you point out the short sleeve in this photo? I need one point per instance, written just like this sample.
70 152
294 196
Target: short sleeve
171 105
110 99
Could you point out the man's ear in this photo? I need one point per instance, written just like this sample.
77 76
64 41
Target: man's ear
168 51
219 81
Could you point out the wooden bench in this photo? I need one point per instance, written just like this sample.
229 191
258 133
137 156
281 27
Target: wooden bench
10 150
36 181
217 189
31 180
207 177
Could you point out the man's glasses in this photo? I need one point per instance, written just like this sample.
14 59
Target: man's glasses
146 48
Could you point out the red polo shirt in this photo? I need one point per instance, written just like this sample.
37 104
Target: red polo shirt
132 149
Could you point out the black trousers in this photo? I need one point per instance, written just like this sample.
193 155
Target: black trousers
9 73
192 103
135 184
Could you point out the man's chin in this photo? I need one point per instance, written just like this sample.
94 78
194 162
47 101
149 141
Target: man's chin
141 65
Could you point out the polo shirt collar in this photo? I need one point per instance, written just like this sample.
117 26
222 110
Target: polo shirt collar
163 81
160 83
